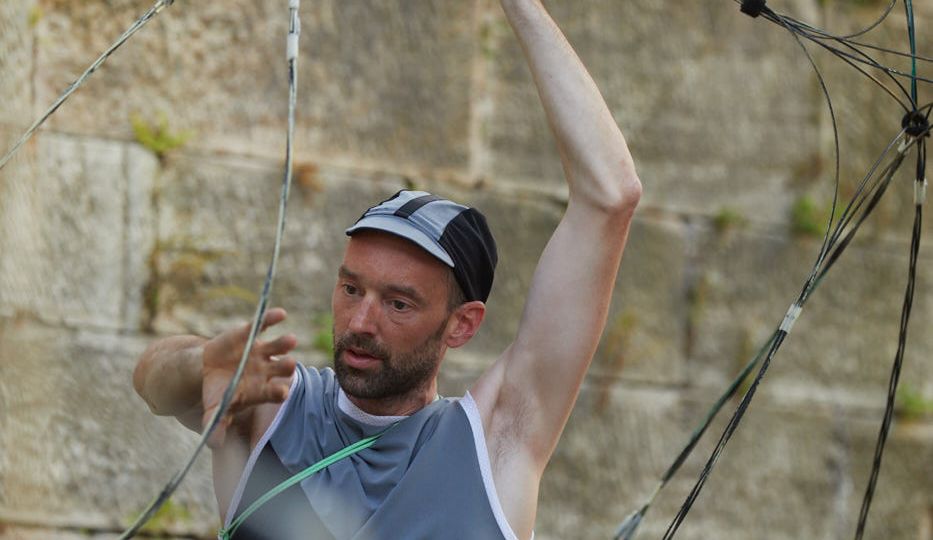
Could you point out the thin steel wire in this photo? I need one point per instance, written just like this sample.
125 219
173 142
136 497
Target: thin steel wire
145 18
172 485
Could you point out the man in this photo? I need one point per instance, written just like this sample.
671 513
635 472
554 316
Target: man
413 282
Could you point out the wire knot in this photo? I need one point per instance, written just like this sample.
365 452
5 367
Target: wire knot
752 8
916 124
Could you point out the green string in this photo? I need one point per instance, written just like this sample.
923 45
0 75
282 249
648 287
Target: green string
363 444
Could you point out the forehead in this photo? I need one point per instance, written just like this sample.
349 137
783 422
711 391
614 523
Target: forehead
388 258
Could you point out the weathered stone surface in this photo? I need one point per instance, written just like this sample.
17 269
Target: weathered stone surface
16 65
702 94
81 448
217 227
725 121
34 533
646 334
868 118
778 478
616 443
81 227
842 346
382 84
904 496
616 447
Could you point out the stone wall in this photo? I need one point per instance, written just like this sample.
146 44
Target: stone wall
105 244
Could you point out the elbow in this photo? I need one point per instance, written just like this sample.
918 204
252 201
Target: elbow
139 375
619 193
628 194
140 378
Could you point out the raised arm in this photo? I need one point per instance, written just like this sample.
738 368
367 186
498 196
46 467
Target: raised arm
526 396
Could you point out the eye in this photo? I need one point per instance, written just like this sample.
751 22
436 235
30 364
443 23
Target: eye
399 305
350 289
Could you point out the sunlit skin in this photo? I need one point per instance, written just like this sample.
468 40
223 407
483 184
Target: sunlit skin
391 299
393 293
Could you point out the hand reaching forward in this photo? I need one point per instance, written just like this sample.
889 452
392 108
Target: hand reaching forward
265 378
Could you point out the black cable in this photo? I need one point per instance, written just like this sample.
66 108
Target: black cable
901 346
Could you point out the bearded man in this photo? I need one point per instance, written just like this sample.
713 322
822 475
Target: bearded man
371 450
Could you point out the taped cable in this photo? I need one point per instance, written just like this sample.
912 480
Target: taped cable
790 318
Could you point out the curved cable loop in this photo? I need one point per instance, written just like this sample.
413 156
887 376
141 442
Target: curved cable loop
172 485
863 202
145 18
884 15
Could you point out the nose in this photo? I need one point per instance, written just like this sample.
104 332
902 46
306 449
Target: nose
363 317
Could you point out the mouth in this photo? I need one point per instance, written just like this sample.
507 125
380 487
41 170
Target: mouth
359 359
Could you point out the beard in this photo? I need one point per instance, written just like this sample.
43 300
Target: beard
397 374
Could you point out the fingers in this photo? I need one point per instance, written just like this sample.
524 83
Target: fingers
273 316
282 367
278 346
275 392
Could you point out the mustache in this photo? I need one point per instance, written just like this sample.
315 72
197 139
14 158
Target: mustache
361 342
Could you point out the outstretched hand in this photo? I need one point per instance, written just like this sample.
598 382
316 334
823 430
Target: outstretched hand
265 378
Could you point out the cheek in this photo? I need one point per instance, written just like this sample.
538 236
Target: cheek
339 311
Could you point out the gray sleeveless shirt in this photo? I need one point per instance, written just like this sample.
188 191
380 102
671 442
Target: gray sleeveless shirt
427 478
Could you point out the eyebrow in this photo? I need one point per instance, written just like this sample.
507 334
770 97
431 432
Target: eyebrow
403 290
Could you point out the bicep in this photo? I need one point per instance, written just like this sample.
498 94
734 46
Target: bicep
564 316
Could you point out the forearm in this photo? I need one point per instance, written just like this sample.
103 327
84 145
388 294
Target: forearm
168 375
596 160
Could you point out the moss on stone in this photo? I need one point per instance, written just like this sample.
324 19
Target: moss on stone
728 219
807 218
158 137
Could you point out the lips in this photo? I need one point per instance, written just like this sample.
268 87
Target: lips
358 359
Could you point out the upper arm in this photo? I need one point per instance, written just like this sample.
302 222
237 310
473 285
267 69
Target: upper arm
539 375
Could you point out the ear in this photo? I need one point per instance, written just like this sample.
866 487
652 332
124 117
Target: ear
464 323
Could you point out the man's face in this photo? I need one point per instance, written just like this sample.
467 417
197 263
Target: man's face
390 317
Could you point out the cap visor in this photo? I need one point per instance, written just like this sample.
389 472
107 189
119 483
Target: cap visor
402 227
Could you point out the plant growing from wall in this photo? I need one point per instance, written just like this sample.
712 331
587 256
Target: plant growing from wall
912 405
158 137
807 218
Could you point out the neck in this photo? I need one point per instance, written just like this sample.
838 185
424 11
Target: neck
405 405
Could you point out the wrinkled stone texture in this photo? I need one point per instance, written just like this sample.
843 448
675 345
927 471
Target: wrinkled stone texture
106 245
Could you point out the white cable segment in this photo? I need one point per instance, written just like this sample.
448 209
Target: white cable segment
791 317
920 192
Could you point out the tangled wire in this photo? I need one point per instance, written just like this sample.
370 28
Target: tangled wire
899 85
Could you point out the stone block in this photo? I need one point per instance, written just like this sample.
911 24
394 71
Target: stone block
702 93
841 348
615 446
646 334
381 84
36 533
903 497
775 480
16 65
779 477
82 450
80 228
